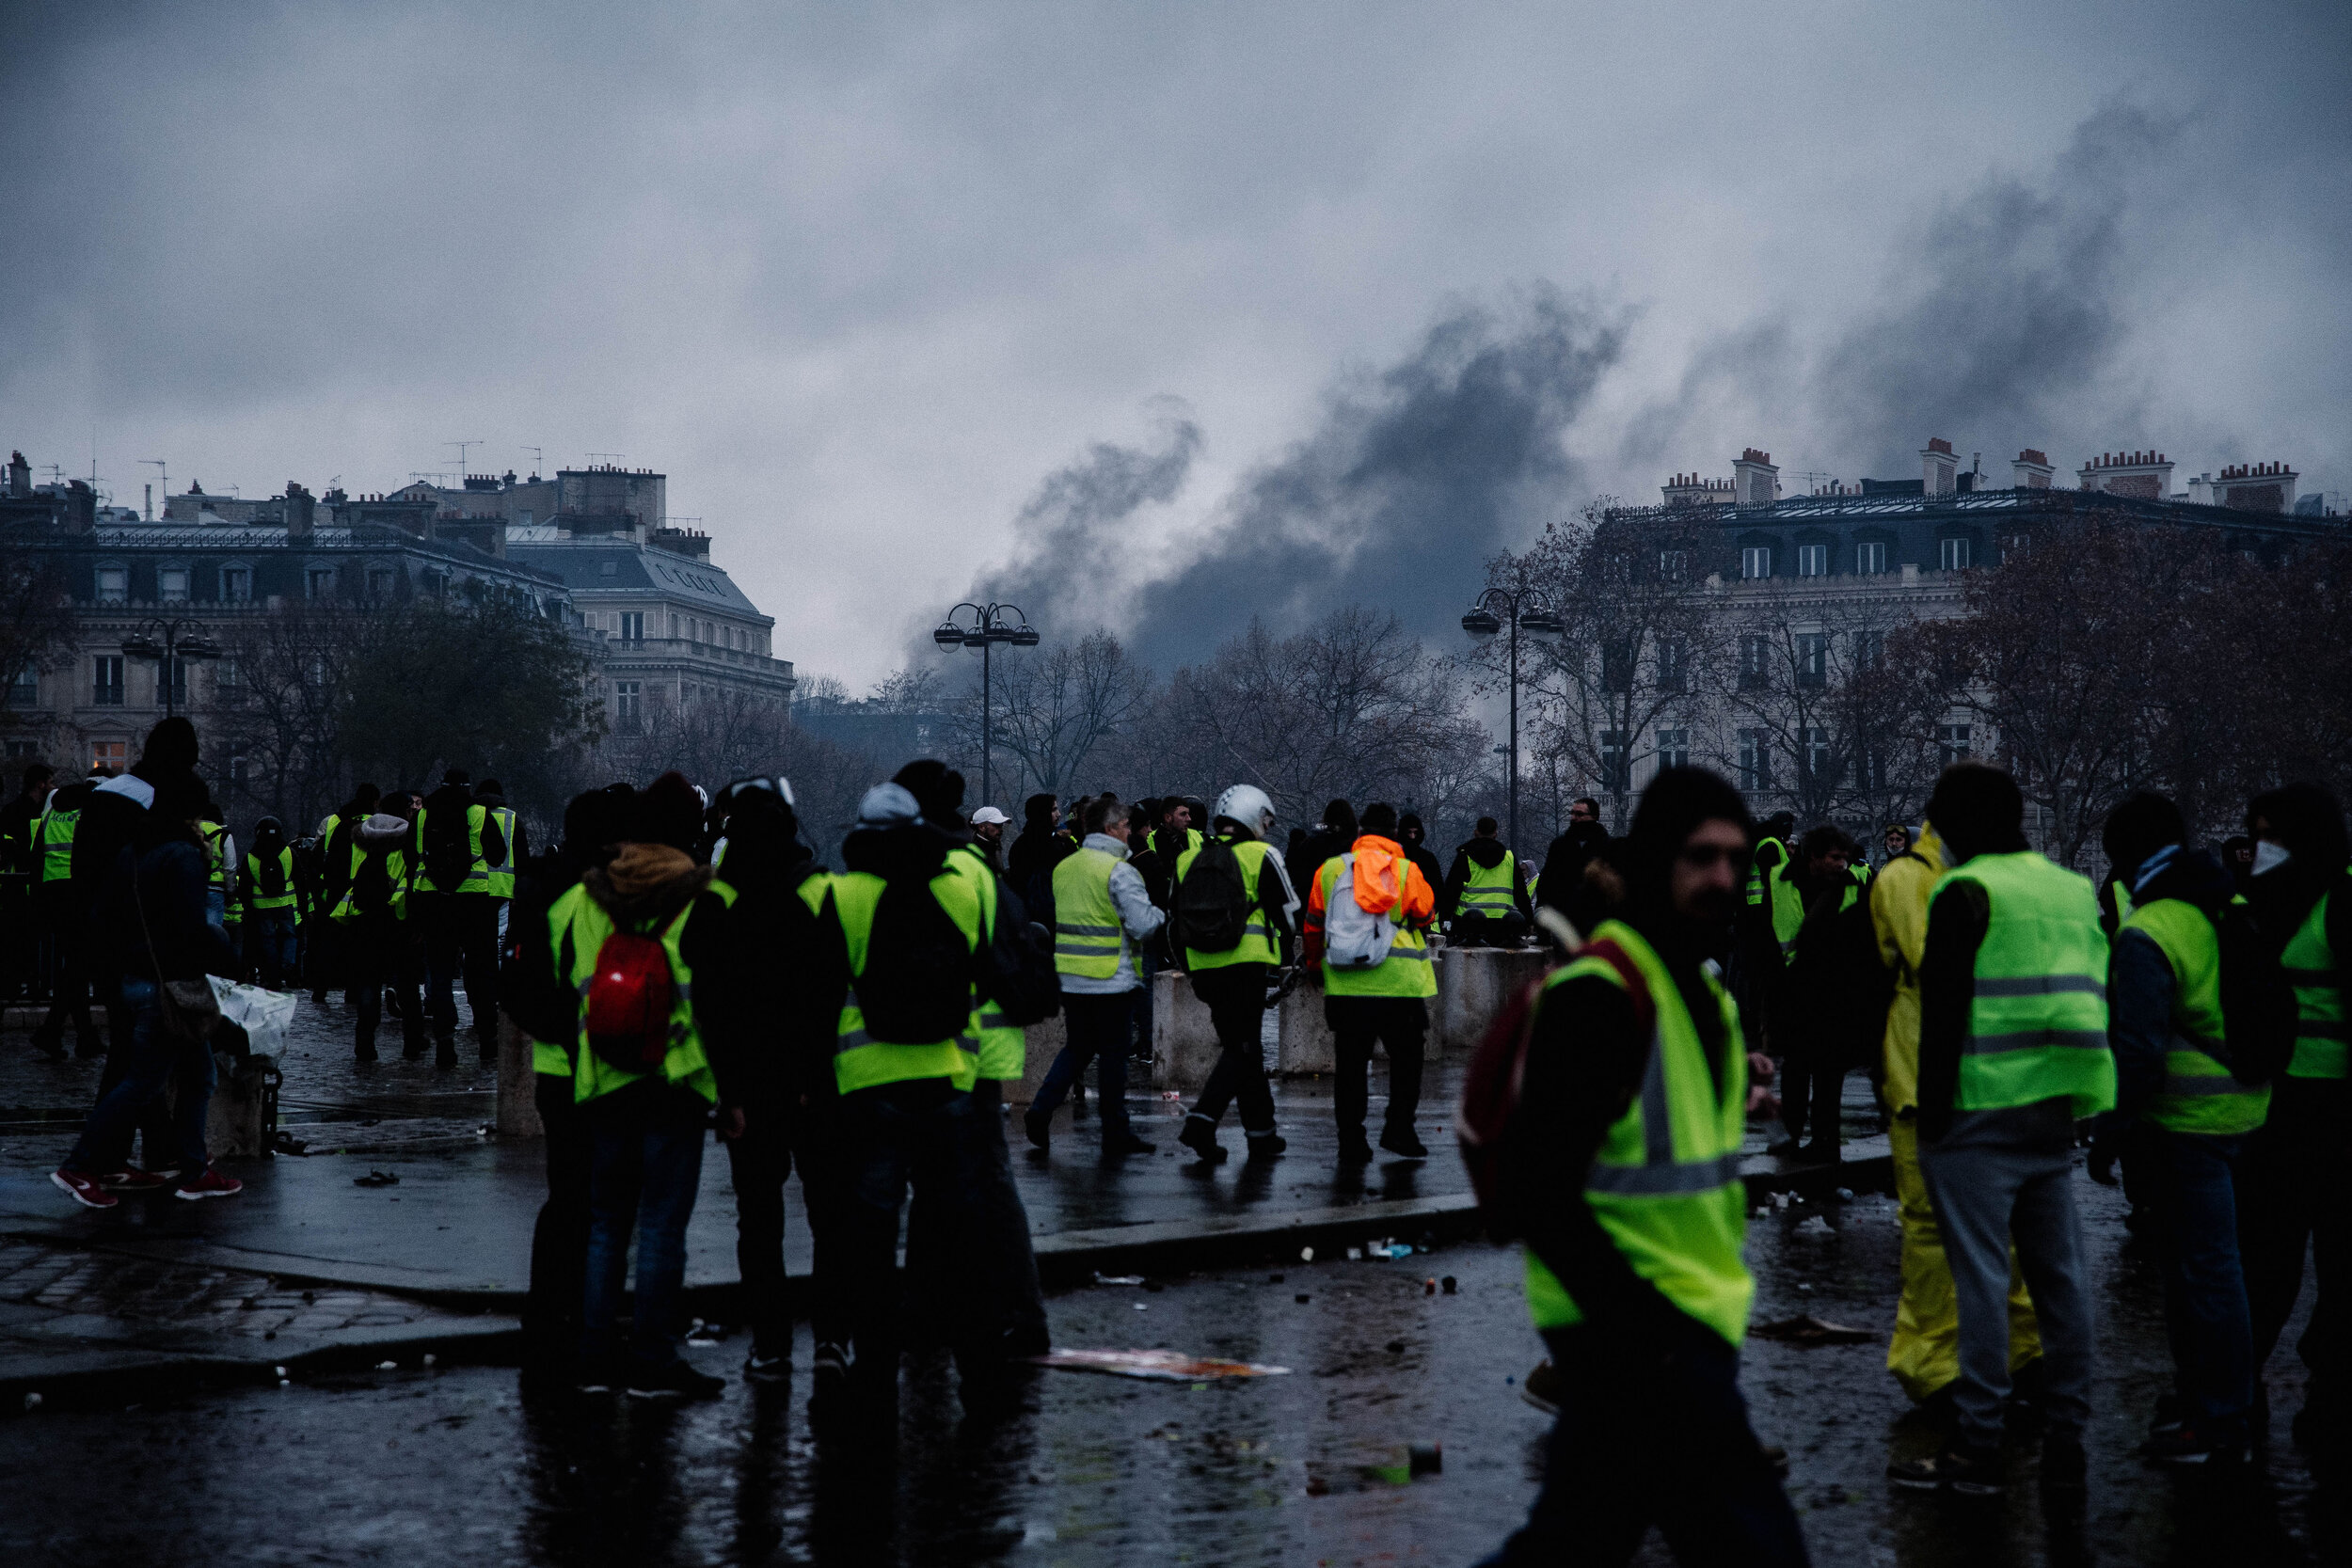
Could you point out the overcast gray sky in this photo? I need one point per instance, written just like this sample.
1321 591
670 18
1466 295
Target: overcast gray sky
1165 315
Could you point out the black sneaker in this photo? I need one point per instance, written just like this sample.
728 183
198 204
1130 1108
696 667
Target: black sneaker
445 1053
1038 1126
1355 1149
595 1377
364 1051
1540 1387
831 1364
671 1380
1969 1472
1404 1142
1200 1135
767 1369
1264 1146
52 1050
1126 1142
2217 1445
2168 1416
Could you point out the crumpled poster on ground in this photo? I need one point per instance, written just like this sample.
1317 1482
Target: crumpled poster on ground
1164 1366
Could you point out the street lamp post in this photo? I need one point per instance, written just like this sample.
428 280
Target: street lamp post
990 624
1492 611
167 642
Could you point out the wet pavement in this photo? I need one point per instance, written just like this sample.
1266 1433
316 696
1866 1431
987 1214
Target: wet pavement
452 1465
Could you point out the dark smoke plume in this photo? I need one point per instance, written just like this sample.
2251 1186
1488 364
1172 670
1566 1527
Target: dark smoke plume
1417 475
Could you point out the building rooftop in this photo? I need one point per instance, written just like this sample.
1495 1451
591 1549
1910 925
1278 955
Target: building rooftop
581 564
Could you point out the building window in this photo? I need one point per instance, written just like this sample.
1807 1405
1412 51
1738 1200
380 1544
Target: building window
1870 558
1869 649
236 767
1951 743
632 625
1873 766
236 584
1812 658
1812 561
114 585
171 584
227 683
1819 756
1616 762
1673 749
2013 546
673 627
1617 666
178 682
24 689
112 755
379 583
107 686
1953 554
1756 560
1674 665
1754 656
627 715
1674 565
1755 759
320 581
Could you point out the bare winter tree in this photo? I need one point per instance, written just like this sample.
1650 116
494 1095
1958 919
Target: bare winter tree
1058 713
36 614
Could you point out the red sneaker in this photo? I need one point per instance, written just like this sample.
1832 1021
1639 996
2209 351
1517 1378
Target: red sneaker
84 1188
211 1184
130 1179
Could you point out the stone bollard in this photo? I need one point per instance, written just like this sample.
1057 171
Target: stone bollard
1184 1041
1305 1039
1475 983
241 1119
518 1113
1043 1042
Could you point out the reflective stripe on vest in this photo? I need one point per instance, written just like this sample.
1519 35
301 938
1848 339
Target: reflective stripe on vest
56 843
502 872
477 869
2038 1025
215 837
1487 890
1407 971
1665 1183
347 907
1004 1044
2323 1048
1257 939
1089 939
587 924
862 1062
284 897
2199 1094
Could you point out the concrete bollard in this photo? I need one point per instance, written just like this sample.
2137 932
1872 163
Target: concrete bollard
1475 983
518 1112
1306 1045
1044 1041
1184 1041
241 1119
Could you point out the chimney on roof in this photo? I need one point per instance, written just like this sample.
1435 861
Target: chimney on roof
1754 480
2032 470
2147 475
301 511
20 475
1938 464
81 508
2256 487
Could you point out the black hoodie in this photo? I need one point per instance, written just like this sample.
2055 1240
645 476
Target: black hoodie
2140 984
1485 853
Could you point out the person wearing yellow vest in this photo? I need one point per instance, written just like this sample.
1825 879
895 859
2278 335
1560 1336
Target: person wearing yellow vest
271 900
221 907
456 842
1486 892
2292 1176
2012 1054
63 907
1102 911
1366 944
1626 1189
368 915
904 1117
1817 989
1923 1352
2173 1076
322 957
23 968
1229 977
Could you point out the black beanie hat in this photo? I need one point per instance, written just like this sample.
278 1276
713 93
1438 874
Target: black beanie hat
1379 817
2144 823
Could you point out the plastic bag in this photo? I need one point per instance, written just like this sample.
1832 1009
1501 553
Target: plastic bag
262 1014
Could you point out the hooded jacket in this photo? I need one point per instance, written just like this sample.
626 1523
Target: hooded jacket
444 820
2140 983
1898 918
1485 854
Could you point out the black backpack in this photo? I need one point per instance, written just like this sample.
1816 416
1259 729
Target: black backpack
1017 963
2258 1007
1212 900
917 985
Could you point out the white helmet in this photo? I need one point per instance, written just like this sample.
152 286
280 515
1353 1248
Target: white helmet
1245 805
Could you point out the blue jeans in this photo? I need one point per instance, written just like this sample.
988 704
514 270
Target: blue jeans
644 1169
154 1057
2206 1310
272 936
1098 1030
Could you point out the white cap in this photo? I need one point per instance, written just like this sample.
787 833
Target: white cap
987 814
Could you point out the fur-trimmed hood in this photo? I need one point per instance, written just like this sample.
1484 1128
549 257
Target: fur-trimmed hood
645 883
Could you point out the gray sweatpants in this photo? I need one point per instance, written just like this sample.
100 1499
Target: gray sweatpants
1998 1176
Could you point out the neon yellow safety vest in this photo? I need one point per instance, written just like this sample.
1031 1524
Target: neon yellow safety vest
1407 971
1665 1184
56 843
1487 891
1004 1044
1089 939
862 1062
2123 903
2199 1094
2323 1048
501 873
286 894
585 922
2037 1026
477 868
1788 907
1257 940
347 907
1757 869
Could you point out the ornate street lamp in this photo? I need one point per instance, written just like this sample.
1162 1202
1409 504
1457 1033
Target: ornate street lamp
989 625
167 642
1516 608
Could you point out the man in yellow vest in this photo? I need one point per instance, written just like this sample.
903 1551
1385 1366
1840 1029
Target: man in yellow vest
2292 1193
1486 892
1626 1186
1369 912
1923 1352
2173 1075
271 900
457 842
1102 911
322 948
64 908
368 915
1233 914
2012 1053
